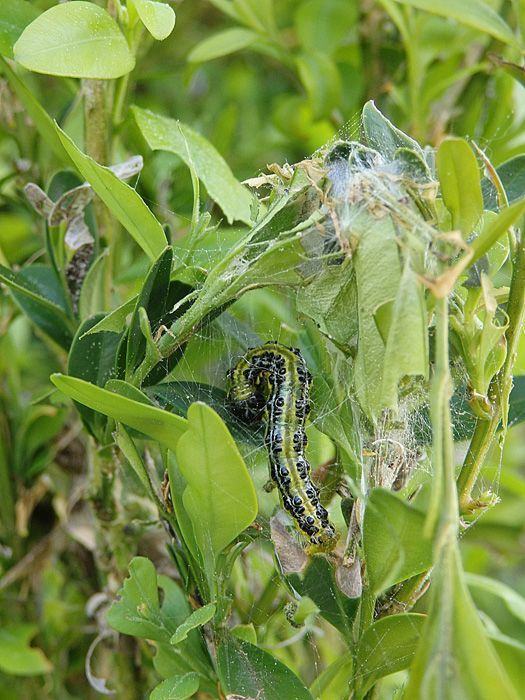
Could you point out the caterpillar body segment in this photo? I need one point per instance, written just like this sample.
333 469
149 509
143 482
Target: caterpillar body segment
272 383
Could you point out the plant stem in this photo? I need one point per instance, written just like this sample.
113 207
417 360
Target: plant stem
500 387
97 146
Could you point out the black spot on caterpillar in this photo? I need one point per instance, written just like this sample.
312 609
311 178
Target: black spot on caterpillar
272 382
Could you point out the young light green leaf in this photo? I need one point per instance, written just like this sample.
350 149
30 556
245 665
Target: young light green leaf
473 13
222 44
246 670
219 498
455 658
512 655
15 15
166 134
197 618
16 656
387 646
157 424
75 39
392 553
382 135
157 17
459 178
378 274
176 688
121 199
513 601
91 299
130 452
406 352
114 321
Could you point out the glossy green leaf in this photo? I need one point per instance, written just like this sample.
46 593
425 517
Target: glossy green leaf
248 671
387 646
197 618
152 298
92 358
153 422
40 295
512 176
121 199
176 688
513 601
222 44
157 17
495 228
318 583
455 658
75 39
219 498
473 13
130 452
166 134
15 15
392 551
459 177
16 656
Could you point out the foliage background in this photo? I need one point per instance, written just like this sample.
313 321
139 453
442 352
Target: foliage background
302 73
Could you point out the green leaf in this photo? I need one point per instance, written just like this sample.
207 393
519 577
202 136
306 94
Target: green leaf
322 82
115 320
91 299
138 612
16 656
495 228
222 44
121 199
322 25
197 618
92 358
130 452
378 275
459 178
157 17
178 397
166 134
392 550
387 646
153 422
512 655
406 352
41 119
176 687
513 601
15 15
455 658
75 39
246 670
512 176
473 13
40 295
152 298
219 498
382 135
319 584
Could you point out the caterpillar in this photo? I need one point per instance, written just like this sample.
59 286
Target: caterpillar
272 382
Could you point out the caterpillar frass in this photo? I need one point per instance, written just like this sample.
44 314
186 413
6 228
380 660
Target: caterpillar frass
272 382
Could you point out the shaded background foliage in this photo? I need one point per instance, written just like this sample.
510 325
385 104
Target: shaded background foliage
270 84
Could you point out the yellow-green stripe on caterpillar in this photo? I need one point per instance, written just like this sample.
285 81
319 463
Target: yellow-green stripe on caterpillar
273 382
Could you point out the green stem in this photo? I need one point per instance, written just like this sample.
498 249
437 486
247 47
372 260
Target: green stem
500 387
262 607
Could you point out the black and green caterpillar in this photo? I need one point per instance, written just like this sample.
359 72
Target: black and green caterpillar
272 382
